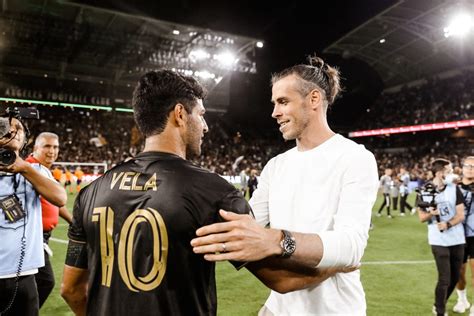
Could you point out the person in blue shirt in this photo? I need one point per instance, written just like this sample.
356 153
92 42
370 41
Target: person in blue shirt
467 188
21 232
445 231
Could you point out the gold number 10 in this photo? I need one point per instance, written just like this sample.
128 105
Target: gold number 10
105 217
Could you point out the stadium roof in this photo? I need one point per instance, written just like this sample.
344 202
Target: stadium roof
406 41
76 42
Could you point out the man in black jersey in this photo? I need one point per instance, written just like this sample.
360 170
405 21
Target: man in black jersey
129 250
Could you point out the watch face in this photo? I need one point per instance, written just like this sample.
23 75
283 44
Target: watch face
289 245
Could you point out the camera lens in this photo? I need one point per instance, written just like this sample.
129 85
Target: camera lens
7 157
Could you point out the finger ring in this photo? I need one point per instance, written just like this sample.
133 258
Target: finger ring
224 248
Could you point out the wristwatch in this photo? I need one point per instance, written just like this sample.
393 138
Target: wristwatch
287 244
448 225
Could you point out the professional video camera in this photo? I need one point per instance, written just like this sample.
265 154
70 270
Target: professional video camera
426 196
8 156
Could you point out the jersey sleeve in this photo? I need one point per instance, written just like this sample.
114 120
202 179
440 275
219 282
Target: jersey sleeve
459 196
235 202
76 255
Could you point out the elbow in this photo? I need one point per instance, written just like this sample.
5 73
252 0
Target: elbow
284 287
60 199
66 293
71 294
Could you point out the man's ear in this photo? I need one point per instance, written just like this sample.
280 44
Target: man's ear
315 98
179 115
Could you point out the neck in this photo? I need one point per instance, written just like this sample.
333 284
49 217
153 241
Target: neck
439 182
316 133
467 180
166 142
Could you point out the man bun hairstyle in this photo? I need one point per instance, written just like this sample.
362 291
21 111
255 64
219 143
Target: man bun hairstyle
315 75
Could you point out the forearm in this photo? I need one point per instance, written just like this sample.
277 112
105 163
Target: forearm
459 216
50 190
284 276
424 216
74 288
64 213
77 303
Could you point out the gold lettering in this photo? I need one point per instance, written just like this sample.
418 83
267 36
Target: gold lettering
115 179
105 217
127 177
160 250
150 184
136 187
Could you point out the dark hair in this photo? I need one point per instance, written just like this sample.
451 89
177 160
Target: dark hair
156 95
317 74
438 165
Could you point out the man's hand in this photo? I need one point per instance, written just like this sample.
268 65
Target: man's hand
434 211
442 226
19 166
239 239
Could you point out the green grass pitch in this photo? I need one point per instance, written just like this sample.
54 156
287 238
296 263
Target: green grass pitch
391 288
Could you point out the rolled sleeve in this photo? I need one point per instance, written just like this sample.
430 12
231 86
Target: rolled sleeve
345 244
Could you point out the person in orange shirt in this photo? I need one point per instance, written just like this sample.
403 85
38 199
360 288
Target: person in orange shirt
68 182
45 152
57 174
79 175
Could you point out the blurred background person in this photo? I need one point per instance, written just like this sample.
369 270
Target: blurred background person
45 152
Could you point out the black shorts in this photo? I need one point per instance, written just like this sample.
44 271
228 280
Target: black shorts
78 181
469 250
67 183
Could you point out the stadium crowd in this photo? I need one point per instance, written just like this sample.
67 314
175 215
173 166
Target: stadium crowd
226 149
435 100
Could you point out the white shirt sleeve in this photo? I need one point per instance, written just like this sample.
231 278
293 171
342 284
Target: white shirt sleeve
259 200
345 245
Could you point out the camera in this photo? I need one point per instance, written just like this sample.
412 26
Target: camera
426 196
8 156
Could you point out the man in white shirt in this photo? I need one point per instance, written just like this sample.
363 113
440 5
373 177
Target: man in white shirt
317 199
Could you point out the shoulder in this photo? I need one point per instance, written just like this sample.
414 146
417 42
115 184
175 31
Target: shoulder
280 159
352 153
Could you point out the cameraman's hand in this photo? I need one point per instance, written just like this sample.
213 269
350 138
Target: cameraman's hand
442 226
19 166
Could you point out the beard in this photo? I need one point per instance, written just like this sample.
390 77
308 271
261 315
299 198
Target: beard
193 141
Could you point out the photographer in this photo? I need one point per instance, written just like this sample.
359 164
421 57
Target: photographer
441 205
467 189
21 249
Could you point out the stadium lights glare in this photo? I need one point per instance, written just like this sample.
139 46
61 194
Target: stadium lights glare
198 54
382 40
459 26
204 74
72 105
175 32
124 110
226 58
259 44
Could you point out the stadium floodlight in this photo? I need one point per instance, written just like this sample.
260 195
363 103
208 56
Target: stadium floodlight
259 44
198 54
382 40
459 26
176 32
226 58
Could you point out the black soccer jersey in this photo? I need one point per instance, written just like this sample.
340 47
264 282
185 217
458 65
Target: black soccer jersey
137 221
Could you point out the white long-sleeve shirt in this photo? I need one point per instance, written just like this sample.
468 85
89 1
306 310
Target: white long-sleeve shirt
328 190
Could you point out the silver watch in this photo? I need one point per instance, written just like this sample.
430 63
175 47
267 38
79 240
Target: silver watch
287 244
